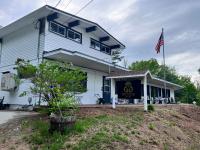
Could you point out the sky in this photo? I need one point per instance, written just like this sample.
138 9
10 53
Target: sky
136 23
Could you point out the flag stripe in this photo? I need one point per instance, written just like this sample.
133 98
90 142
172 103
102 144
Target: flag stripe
160 43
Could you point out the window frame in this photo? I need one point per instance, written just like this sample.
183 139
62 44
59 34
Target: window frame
65 31
74 32
101 44
58 25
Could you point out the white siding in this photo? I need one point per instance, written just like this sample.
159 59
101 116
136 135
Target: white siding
54 41
22 43
19 44
94 86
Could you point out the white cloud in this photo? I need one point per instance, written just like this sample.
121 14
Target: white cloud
185 63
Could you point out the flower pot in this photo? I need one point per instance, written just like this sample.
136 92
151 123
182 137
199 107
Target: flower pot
58 123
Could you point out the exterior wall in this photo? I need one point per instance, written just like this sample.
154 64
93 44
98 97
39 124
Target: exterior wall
94 86
54 41
22 43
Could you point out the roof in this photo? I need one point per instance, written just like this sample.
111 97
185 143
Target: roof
138 74
63 18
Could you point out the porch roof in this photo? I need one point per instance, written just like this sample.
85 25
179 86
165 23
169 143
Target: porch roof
83 60
141 74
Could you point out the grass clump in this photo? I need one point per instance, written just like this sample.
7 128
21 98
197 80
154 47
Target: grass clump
151 126
120 138
151 108
98 140
41 138
84 124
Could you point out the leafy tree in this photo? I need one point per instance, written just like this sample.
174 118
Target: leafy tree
116 56
189 93
151 65
56 83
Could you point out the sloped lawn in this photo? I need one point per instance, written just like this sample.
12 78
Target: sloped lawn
168 128
102 131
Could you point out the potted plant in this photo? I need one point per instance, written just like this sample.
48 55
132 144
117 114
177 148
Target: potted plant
63 111
56 83
25 69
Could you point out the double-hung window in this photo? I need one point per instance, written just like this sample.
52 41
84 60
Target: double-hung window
73 35
58 29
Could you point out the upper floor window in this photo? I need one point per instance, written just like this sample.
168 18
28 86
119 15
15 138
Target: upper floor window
99 46
105 49
95 44
54 27
73 35
65 32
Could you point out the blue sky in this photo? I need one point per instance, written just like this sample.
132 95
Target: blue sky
136 23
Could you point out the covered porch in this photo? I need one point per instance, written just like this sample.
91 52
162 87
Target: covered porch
141 88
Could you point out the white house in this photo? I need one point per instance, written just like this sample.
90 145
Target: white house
54 34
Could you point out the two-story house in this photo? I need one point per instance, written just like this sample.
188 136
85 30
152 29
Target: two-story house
49 33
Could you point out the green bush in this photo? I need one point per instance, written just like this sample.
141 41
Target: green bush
151 108
25 69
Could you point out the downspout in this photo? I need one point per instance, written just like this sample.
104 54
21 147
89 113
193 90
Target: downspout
41 31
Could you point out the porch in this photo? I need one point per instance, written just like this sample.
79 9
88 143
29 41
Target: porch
141 88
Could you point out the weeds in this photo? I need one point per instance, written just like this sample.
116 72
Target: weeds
151 126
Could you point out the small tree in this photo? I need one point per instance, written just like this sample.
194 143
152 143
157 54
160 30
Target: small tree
116 56
56 83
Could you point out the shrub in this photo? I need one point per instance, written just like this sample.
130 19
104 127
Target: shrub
25 69
151 108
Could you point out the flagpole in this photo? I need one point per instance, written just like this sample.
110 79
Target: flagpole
164 62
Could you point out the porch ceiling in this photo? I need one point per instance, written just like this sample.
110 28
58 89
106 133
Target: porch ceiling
82 60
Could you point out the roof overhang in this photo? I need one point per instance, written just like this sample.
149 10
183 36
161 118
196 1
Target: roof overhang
64 18
83 60
150 79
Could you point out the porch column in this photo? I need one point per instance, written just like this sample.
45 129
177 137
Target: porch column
145 93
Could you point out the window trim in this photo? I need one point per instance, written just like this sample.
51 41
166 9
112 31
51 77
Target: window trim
100 46
66 31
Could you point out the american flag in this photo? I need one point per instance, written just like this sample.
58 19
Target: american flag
160 43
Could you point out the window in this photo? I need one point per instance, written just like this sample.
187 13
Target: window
73 35
95 44
56 28
65 32
105 49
